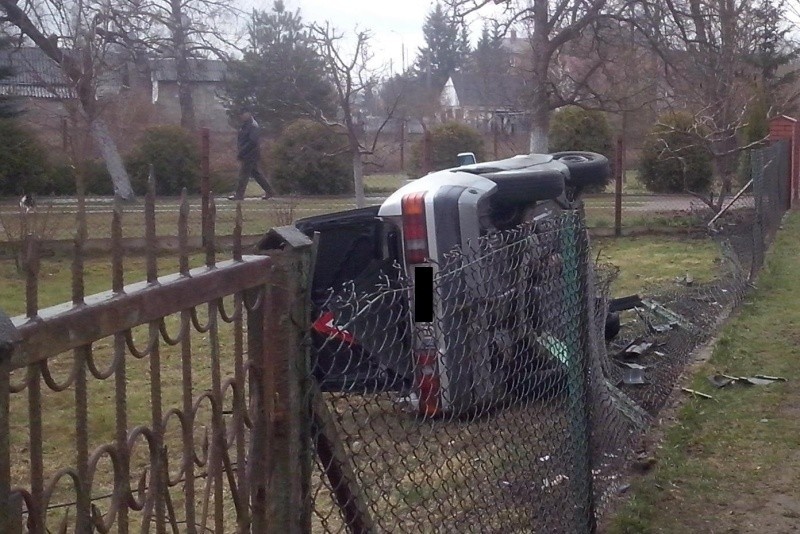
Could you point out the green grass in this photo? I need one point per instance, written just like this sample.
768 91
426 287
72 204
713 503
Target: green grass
57 222
383 184
731 464
649 262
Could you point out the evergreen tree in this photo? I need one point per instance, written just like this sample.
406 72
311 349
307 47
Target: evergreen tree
490 59
281 76
773 55
446 48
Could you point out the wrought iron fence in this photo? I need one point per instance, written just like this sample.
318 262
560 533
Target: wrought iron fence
139 408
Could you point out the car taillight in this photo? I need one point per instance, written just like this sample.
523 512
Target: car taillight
428 383
415 231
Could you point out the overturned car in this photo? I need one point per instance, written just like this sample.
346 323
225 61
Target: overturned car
441 292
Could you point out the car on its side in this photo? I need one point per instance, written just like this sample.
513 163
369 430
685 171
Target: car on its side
408 341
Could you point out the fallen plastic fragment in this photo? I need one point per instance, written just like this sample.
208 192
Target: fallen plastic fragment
633 377
632 365
635 348
773 378
668 315
720 381
755 381
697 393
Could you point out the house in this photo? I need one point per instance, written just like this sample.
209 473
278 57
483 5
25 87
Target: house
207 78
482 103
131 95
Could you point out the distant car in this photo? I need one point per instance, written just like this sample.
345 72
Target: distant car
465 158
387 347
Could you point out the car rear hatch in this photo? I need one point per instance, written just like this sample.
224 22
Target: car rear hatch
356 257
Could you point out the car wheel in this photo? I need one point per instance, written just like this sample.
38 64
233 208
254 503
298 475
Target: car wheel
585 168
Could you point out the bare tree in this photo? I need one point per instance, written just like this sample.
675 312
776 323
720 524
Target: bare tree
704 46
550 27
176 29
51 22
351 76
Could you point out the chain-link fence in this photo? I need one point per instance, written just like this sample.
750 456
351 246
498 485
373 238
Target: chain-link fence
514 407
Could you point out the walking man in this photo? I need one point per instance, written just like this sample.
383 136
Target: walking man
249 156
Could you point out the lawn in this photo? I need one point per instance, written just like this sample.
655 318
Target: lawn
731 464
649 263
55 218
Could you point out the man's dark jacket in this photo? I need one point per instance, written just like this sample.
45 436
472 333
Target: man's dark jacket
247 141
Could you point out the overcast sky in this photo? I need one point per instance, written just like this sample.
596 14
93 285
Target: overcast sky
395 24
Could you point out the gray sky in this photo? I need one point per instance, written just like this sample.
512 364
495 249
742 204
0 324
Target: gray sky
394 24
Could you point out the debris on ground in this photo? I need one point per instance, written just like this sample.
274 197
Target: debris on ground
672 318
643 463
697 393
635 348
722 380
631 365
685 280
633 377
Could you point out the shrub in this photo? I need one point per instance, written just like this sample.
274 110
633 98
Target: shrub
175 158
574 128
672 161
24 167
446 142
310 159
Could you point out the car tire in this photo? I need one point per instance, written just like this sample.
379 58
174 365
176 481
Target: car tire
585 168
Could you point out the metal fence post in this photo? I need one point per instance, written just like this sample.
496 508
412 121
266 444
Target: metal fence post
10 518
619 172
286 367
575 277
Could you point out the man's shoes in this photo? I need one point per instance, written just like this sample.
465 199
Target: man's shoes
267 196
234 198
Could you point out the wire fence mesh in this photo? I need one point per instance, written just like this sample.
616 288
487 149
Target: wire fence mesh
517 407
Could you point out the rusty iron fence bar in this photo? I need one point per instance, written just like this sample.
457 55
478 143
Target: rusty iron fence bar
63 327
8 513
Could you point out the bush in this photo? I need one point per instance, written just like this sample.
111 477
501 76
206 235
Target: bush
310 159
574 128
175 158
24 167
446 142
672 161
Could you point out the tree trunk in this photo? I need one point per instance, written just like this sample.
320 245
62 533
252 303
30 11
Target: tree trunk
358 178
112 159
540 129
182 69
185 98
